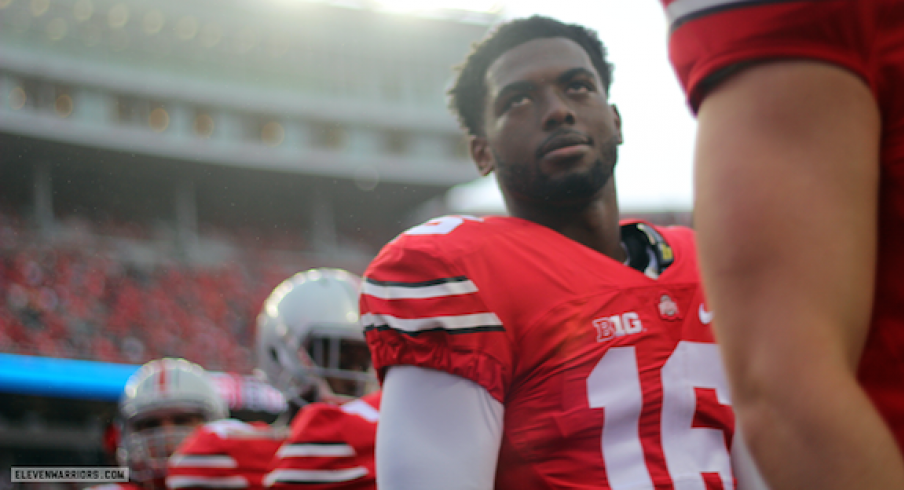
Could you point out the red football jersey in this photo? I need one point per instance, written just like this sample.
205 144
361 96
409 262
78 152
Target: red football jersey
330 447
224 454
609 378
864 36
115 486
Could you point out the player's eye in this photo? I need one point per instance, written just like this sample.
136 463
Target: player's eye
147 424
186 419
515 101
579 87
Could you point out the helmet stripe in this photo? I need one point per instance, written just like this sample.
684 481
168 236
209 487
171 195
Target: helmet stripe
161 380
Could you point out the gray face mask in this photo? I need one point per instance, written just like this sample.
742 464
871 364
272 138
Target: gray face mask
147 451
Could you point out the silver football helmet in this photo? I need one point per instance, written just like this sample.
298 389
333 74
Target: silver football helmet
161 405
309 341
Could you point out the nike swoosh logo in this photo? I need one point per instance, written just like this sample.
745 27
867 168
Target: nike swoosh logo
705 316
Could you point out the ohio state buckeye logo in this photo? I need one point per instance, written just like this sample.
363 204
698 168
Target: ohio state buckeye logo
668 309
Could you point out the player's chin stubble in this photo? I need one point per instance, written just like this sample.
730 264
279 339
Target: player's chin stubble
527 182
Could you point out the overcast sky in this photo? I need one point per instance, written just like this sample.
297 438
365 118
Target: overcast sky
654 169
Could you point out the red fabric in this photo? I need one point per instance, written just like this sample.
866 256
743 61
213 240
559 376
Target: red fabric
552 297
116 486
330 447
247 447
866 37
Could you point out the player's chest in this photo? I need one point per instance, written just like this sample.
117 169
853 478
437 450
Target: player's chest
634 350
560 330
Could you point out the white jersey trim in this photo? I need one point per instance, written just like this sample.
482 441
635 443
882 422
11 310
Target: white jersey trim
682 8
314 476
202 461
362 409
419 291
475 321
314 450
175 482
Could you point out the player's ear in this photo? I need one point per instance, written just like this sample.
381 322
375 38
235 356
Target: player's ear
481 154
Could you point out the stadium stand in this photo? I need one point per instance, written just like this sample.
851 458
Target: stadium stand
83 300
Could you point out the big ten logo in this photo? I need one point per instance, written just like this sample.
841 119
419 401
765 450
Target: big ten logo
609 327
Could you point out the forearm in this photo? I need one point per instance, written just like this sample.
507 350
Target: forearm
842 444
787 186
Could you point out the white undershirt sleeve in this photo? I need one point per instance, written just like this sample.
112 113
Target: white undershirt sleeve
437 431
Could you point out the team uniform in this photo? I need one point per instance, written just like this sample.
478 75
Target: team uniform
330 447
224 454
608 375
115 486
712 37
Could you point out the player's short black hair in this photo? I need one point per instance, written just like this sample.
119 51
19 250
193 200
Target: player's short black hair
468 94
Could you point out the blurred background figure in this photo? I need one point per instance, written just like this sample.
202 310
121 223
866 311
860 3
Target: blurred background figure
311 347
162 403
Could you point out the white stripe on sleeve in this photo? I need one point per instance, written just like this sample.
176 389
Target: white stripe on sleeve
314 450
414 291
202 461
176 482
362 409
682 8
314 476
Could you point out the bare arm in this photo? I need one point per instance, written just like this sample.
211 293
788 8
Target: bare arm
787 172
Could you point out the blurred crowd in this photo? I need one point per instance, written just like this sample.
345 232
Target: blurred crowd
84 299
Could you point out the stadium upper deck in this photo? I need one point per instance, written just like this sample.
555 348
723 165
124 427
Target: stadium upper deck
348 99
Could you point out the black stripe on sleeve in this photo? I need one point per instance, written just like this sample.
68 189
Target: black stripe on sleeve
432 282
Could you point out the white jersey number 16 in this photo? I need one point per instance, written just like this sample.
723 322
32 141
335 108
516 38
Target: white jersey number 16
689 451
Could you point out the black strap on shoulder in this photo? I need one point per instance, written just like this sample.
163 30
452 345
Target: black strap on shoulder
640 239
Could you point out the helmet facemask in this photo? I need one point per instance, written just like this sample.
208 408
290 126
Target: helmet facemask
150 440
330 360
310 344
344 363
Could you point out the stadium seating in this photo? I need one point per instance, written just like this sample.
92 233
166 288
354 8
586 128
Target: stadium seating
84 299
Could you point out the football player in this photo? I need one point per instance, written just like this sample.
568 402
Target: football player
800 212
311 347
557 347
163 402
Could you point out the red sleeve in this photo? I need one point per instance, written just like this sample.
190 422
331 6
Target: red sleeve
420 306
329 448
114 486
711 37
223 454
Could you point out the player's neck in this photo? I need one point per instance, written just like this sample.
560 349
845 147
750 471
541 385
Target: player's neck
594 225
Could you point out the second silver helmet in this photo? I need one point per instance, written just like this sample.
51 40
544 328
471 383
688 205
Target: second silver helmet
309 340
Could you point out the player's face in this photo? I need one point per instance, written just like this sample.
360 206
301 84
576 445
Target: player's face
344 358
550 133
166 432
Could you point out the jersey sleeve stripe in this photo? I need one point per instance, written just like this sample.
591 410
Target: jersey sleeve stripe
176 482
362 409
202 461
477 322
301 477
438 288
315 450
681 11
